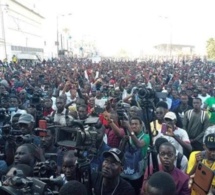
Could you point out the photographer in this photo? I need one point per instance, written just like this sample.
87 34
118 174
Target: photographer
113 131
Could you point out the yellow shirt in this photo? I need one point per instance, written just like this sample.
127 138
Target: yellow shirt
192 162
157 126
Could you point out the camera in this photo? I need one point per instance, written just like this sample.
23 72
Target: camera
122 110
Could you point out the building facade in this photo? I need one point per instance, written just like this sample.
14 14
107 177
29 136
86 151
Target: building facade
21 29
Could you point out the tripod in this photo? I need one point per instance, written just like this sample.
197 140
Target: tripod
147 104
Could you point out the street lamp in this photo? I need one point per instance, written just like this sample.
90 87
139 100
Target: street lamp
3 27
60 15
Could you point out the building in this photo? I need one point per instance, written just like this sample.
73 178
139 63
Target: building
21 29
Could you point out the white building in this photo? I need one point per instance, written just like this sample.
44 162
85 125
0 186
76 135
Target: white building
21 29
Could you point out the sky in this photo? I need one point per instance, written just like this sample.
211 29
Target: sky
133 25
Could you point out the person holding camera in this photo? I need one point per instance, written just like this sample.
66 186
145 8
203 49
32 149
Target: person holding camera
113 131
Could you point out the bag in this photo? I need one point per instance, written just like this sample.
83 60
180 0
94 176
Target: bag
134 163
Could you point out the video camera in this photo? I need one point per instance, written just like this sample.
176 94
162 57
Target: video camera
79 135
21 185
11 135
122 110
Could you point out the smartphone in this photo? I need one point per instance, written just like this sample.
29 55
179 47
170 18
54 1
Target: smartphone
164 128
203 179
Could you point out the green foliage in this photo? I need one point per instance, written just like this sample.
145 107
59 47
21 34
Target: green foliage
211 48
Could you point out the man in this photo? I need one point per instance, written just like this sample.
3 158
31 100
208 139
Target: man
47 106
167 155
113 131
82 112
203 96
69 166
23 99
61 114
183 107
154 186
73 187
135 152
13 106
47 142
195 122
109 181
209 104
175 135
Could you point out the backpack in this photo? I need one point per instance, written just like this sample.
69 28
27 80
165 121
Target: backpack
189 114
134 162
179 159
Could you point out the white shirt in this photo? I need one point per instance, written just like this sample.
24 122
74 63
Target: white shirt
181 133
203 98
61 117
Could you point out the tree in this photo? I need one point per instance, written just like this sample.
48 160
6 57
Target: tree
211 48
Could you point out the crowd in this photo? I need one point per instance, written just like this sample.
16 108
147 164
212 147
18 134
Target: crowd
154 124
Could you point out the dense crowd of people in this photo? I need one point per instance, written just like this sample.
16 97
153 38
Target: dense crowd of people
153 125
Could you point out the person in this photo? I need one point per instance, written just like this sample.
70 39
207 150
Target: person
183 106
47 106
167 155
69 166
195 122
204 95
113 131
48 141
61 114
160 183
13 106
209 105
207 156
82 112
175 135
180 161
73 187
27 154
109 180
135 152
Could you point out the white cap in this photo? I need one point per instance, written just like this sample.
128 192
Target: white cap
170 115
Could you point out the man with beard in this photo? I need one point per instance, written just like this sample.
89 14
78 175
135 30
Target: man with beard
109 181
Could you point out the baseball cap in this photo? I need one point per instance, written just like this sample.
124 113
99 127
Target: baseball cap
170 115
210 141
26 118
116 153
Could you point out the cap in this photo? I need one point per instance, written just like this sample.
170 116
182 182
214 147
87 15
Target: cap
116 153
210 141
26 118
170 115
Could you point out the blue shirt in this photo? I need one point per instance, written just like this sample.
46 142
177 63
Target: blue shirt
96 162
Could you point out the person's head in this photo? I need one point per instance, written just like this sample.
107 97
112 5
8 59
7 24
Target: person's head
91 102
184 98
73 93
134 111
167 155
4 102
112 165
2 89
82 112
73 187
47 103
154 186
22 94
136 125
197 102
204 90
100 129
189 92
69 165
163 105
15 120
98 94
209 142
79 102
174 93
159 141
60 103
26 123
13 102
170 119
26 154
48 140
159 113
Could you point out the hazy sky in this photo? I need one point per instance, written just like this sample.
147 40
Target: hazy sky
133 24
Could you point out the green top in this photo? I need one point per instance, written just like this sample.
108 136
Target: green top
210 102
145 138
